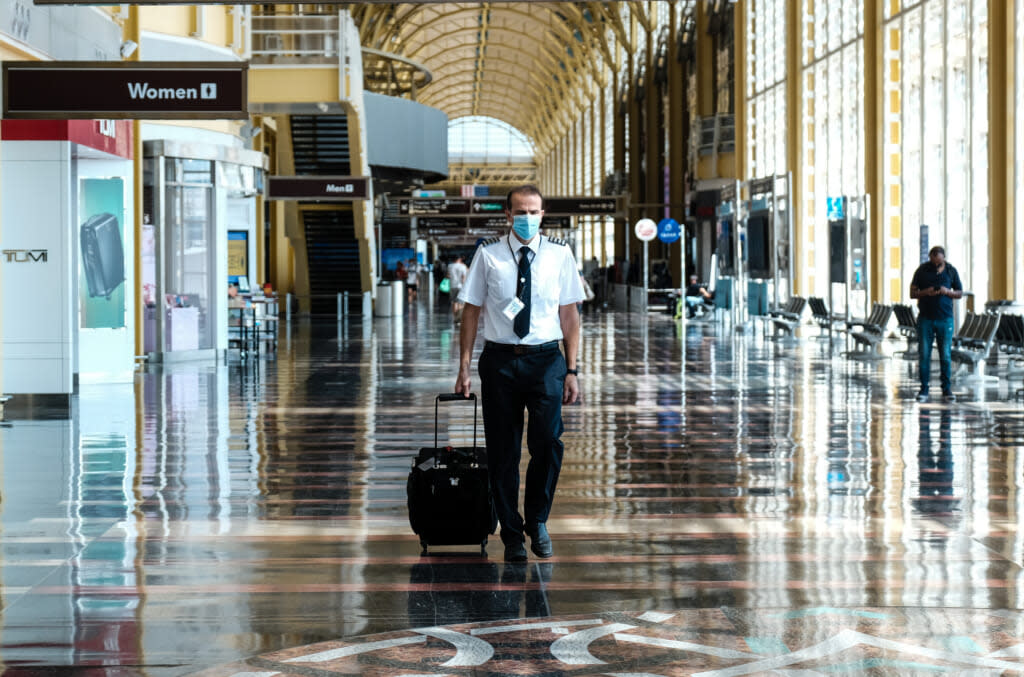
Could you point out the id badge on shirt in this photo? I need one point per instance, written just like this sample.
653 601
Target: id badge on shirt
513 308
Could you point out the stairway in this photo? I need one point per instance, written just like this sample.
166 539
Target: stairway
333 255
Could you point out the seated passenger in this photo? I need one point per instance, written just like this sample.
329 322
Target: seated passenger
696 296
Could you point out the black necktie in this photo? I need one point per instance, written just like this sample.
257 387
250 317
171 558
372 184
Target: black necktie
521 324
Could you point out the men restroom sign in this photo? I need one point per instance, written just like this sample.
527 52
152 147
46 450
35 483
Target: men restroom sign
125 90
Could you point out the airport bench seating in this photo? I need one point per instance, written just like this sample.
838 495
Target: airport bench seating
1010 339
869 339
906 325
821 315
974 340
786 319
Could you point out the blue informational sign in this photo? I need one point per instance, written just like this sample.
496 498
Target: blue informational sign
834 206
668 231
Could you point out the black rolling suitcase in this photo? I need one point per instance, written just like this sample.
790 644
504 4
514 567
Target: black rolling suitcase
449 492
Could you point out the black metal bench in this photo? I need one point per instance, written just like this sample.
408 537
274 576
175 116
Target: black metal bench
973 341
1010 336
906 325
1010 340
788 318
821 316
869 339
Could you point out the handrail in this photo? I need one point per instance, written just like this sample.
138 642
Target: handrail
302 39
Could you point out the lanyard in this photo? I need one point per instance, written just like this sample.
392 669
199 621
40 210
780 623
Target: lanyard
515 259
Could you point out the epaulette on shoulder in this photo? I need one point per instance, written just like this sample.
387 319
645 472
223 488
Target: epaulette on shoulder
489 241
556 240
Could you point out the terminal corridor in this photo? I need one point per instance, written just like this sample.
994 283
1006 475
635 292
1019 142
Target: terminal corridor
729 504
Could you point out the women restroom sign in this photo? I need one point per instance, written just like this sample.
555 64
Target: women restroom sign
155 90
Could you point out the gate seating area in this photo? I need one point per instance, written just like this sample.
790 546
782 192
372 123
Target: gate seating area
973 344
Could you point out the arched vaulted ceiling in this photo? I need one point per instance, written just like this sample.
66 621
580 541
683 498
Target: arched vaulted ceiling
530 64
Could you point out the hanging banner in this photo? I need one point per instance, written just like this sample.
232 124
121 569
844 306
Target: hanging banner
102 265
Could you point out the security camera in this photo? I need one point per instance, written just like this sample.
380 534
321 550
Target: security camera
128 48
249 130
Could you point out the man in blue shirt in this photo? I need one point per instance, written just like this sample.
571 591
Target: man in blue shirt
935 285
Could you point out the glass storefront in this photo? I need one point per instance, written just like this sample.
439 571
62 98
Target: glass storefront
190 204
190 235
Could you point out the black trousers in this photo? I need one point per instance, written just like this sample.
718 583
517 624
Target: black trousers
510 384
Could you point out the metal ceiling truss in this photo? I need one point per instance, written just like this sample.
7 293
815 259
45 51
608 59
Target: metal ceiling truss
534 65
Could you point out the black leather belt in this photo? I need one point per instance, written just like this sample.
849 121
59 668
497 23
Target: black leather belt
521 348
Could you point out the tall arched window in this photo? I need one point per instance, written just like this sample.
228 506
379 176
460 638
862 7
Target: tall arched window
481 139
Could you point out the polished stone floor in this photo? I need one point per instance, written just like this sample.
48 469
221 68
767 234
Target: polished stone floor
729 505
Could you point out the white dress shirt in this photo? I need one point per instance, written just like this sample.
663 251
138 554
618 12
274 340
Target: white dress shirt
492 279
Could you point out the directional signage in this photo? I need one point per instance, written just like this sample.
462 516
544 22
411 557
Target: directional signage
646 229
433 206
563 222
489 221
489 205
432 223
318 188
72 90
668 230
572 206
479 206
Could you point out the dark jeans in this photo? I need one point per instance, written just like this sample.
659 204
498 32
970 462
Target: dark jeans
511 384
941 330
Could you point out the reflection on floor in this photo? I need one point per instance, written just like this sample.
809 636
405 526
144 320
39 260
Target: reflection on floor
756 506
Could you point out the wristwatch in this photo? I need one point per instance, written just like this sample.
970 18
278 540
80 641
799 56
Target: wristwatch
574 372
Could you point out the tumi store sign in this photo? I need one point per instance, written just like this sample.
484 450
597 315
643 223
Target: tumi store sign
63 90
110 136
318 188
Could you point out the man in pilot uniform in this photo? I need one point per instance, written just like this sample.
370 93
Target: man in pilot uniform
526 286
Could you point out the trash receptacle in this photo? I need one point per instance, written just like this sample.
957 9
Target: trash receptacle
390 298
397 298
382 306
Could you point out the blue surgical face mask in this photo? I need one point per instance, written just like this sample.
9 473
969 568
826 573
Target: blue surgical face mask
526 225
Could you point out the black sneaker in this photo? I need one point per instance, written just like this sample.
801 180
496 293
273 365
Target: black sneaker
922 396
948 396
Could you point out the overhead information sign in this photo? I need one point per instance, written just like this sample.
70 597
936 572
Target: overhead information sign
158 90
555 207
433 206
580 206
488 205
318 188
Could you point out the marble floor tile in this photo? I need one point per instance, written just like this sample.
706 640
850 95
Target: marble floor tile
728 505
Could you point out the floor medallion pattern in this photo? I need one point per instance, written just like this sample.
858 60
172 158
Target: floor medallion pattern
725 642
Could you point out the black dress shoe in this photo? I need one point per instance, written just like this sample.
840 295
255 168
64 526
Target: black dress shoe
515 552
540 541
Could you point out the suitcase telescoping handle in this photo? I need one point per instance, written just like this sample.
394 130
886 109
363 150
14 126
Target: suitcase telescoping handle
454 397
